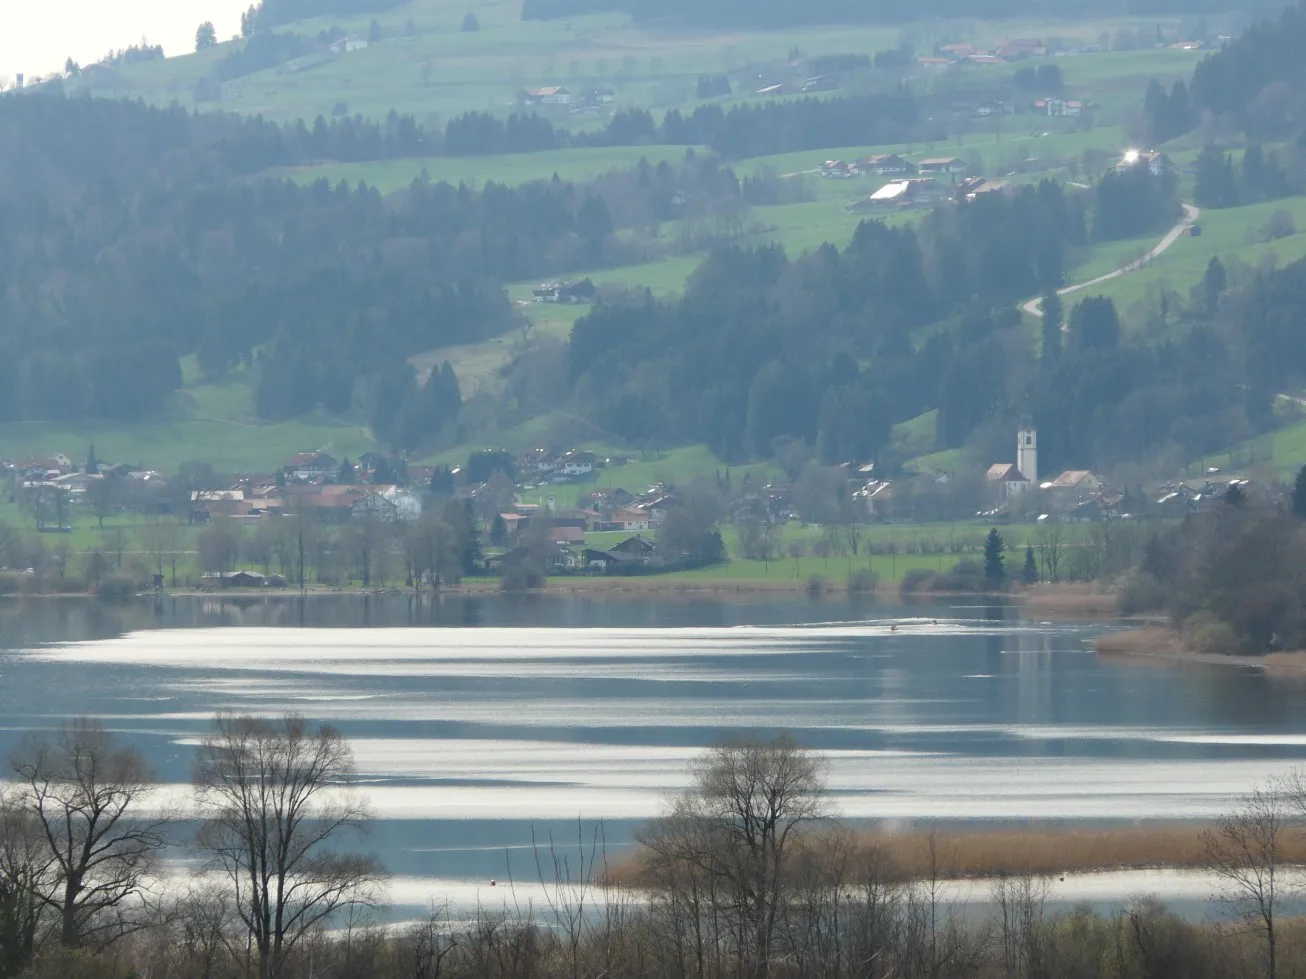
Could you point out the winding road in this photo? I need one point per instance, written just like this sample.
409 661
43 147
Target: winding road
1035 306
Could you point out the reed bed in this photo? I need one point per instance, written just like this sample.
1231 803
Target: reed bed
988 853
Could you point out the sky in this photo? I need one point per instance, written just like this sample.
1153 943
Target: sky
36 36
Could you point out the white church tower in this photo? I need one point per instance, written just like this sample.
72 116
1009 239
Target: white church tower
1027 454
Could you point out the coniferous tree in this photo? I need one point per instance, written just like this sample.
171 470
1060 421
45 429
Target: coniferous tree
1214 282
1299 493
1030 571
205 36
994 546
1052 316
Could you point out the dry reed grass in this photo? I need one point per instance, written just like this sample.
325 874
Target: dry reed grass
1054 851
1150 641
1073 600
997 852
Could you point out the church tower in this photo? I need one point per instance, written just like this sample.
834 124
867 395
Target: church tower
1027 454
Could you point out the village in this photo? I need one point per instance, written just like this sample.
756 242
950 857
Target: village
568 510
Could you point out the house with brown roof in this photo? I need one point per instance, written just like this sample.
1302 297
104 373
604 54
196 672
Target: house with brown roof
631 519
1007 478
888 165
1079 480
943 164
310 466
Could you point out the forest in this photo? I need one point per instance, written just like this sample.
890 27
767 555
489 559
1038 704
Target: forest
833 348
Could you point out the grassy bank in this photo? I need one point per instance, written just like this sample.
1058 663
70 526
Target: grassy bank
1159 644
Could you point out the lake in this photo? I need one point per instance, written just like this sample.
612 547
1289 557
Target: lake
481 724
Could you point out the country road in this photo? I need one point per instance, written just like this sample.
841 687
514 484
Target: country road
1035 306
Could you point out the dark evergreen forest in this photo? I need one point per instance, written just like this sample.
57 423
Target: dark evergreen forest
835 347
126 243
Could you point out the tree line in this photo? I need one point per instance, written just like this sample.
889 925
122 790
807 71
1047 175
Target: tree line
1229 578
253 144
746 872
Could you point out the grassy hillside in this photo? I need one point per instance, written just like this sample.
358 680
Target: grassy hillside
577 165
426 65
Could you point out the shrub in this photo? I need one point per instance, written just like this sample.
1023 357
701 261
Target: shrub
815 585
470 24
1139 592
117 588
964 576
863 582
917 579
1279 225
1204 633
521 576
11 582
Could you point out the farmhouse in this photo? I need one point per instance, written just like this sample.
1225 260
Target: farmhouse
888 165
310 466
942 164
550 95
918 190
570 293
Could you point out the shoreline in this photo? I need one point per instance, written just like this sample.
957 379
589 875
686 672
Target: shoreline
1164 646
1063 601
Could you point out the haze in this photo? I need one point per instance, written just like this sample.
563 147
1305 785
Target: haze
35 39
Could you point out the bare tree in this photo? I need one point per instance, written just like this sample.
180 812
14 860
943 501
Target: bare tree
25 877
83 792
274 795
1050 540
734 832
1244 850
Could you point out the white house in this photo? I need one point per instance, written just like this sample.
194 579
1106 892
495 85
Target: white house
576 463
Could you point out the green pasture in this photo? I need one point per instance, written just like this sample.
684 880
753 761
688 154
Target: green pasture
577 165
1231 233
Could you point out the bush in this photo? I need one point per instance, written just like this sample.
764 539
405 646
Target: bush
862 582
1139 592
815 586
917 579
470 24
964 576
521 576
1279 225
1204 633
117 588
11 582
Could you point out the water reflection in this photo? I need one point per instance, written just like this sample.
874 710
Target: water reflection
478 717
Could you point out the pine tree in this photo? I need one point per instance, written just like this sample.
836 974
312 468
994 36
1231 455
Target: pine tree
347 474
1030 572
499 531
205 36
1299 493
994 546
92 463
1052 313
1214 281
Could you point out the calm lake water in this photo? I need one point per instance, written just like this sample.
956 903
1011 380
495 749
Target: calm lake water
481 723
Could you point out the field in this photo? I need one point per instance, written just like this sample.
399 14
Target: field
425 65
1234 234
578 165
